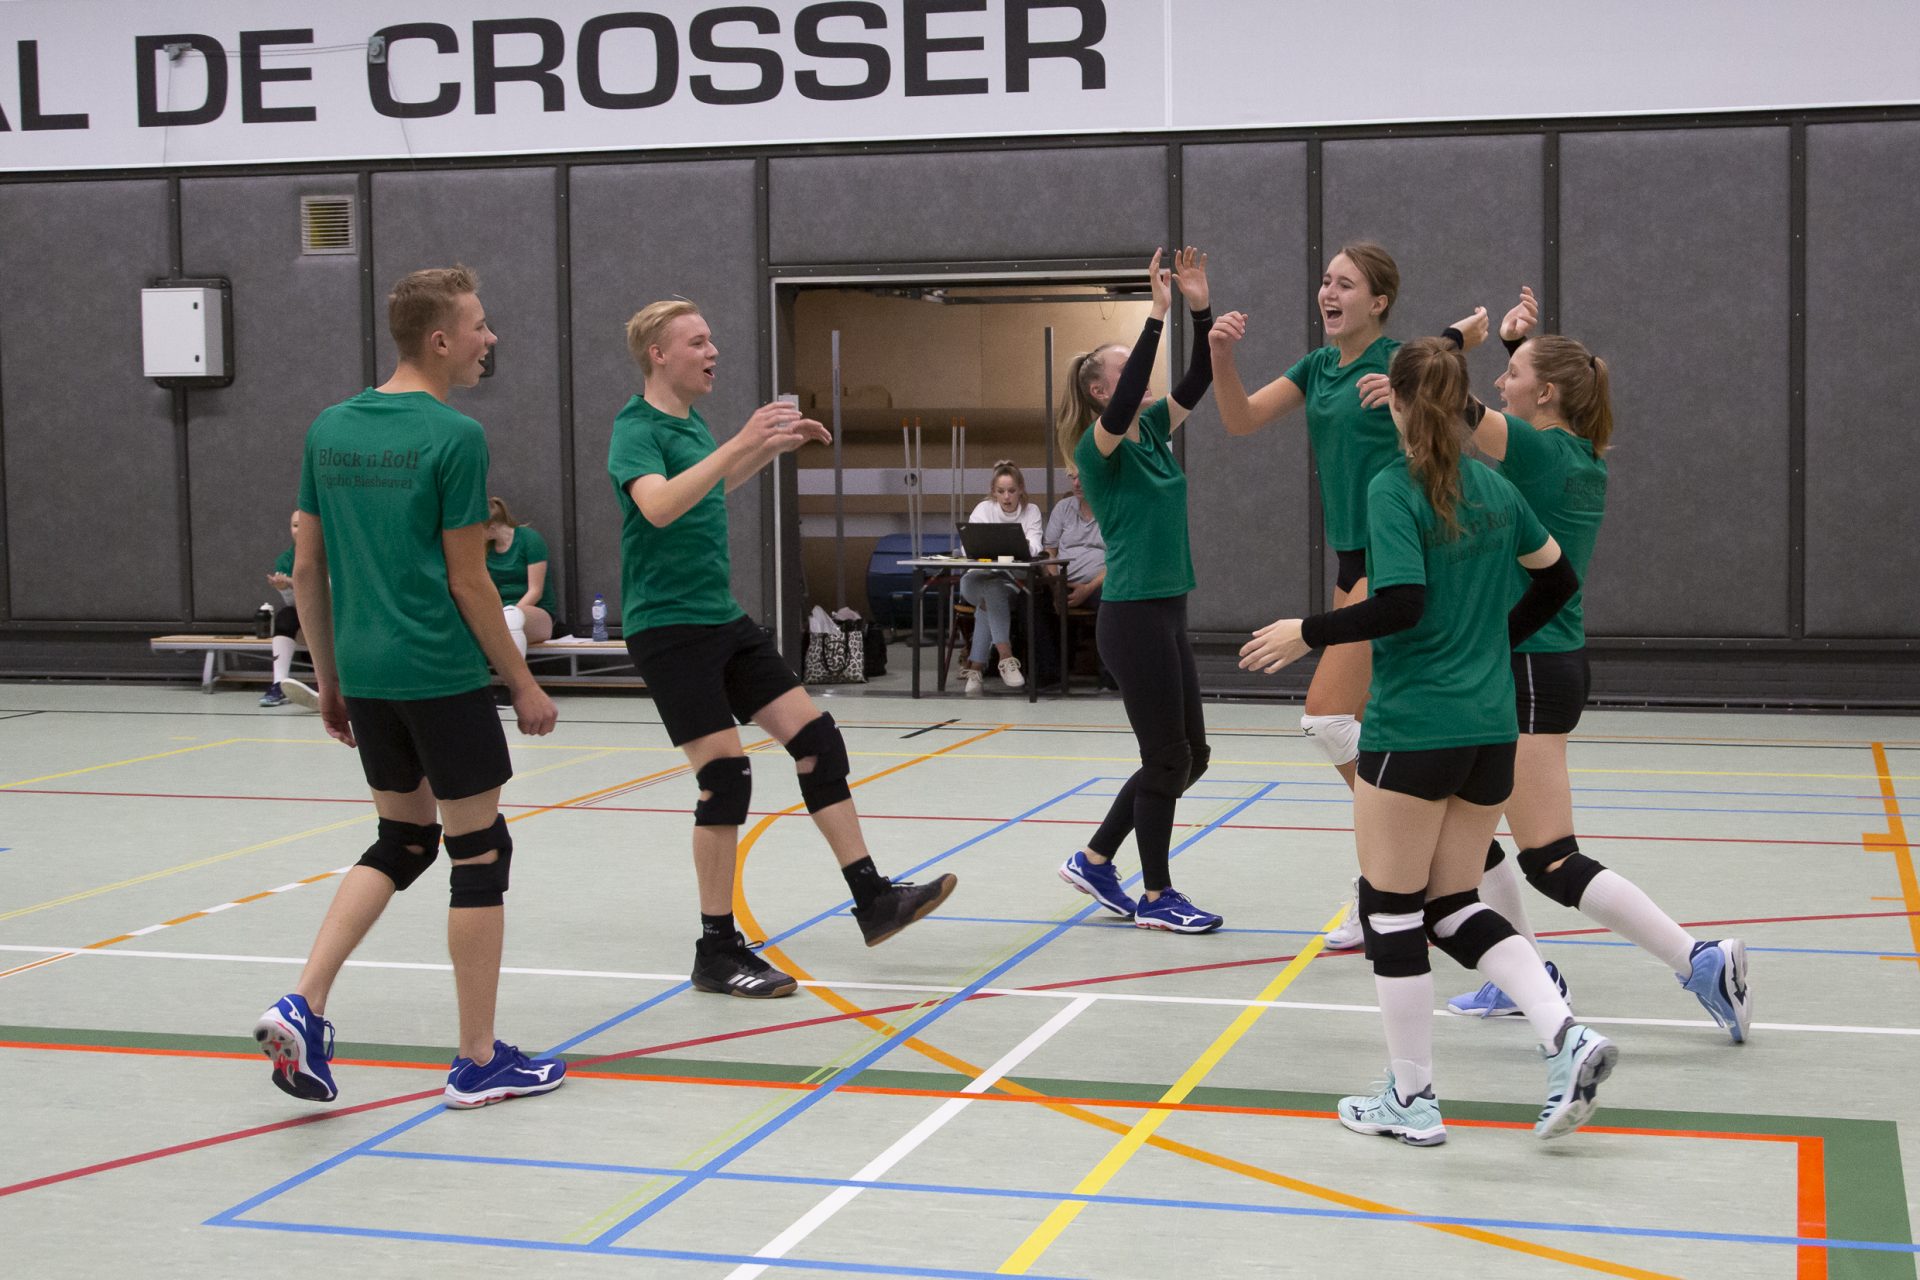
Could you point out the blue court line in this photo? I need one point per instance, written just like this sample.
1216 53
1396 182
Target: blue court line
1214 1206
1116 923
629 1251
229 1217
688 1180
1346 801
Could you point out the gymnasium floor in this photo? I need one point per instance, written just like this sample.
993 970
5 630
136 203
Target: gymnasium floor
1017 1085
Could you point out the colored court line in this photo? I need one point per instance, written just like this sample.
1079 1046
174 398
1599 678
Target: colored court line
1894 841
1042 1237
115 764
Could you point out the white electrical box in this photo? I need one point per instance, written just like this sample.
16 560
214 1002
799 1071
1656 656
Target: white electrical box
183 333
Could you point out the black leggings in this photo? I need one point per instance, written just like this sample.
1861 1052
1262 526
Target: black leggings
1144 644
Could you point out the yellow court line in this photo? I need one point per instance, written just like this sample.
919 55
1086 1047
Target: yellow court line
1043 1236
115 764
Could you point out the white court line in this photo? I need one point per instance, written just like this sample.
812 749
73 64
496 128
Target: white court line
1301 1006
877 1168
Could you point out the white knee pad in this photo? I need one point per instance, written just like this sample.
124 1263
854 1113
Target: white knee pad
1338 736
517 627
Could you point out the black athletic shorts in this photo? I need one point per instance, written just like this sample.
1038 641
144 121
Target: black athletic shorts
708 678
1352 568
455 743
1551 689
286 621
1478 775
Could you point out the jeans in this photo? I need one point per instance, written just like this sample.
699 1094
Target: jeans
991 594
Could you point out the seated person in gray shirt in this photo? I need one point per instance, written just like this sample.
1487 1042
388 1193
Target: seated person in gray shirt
1072 533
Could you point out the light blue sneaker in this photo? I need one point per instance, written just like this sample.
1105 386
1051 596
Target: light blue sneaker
299 1043
1574 1072
1099 881
1719 979
508 1074
1173 912
1491 1002
1415 1122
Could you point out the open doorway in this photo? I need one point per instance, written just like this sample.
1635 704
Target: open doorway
939 379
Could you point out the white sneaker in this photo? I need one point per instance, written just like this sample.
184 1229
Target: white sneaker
300 694
976 683
1010 672
1349 936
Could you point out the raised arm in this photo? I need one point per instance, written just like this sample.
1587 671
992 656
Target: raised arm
1190 274
1244 414
1117 419
772 430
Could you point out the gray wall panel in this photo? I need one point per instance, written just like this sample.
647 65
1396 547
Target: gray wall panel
296 350
1675 270
1863 251
92 510
501 223
1246 206
640 233
968 205
1461 217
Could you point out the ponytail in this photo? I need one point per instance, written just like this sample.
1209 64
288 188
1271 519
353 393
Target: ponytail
1429 381
1584 383
1078 408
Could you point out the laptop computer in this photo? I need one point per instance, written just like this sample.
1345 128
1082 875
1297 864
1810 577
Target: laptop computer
984 541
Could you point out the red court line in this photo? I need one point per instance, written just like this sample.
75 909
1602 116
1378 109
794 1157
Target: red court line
905 817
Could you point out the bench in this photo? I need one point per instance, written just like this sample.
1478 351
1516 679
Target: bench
562 663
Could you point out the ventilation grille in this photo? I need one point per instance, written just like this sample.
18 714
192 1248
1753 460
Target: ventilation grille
327 225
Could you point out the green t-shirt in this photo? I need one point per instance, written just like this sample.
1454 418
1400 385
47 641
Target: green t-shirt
1139 495
509 568
387 474
1556 472
1350 444
1448 681
680 574
285 563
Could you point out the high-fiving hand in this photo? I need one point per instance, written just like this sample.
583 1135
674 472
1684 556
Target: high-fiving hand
1273 647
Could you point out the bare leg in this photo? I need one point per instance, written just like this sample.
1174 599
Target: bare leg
1339 686
363 894
475 935
785 716
714 848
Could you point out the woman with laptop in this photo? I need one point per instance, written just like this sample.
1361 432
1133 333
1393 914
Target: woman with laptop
991 592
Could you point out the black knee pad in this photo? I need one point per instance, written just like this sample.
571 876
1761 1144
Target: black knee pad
390 856
826 783
1495 855
728 783
1164 771
482 884
1202 757
1402 953
1478 934
1566 885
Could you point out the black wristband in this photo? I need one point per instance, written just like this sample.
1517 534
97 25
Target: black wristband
1512 344
1202 316
1473 412
1457 338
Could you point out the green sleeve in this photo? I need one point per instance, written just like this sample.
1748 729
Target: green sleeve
285 563
1087 455
533 544
1527 451
1395 552
309 491
1301 375
635 452
462 472
1529 534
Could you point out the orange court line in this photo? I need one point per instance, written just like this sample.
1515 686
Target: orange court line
1894 841
744 912
1812 1261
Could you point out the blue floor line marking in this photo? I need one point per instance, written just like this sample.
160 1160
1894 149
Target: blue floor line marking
631 1251
800 1106
228 1217
1158 1202
1874 812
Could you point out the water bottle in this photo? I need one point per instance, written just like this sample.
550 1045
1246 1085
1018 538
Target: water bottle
599 617
263 622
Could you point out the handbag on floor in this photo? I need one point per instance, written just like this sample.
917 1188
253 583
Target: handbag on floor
836 649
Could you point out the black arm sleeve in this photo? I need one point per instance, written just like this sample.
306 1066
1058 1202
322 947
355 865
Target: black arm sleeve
1133 380
1388 610
1550 589
1199 375
1512 344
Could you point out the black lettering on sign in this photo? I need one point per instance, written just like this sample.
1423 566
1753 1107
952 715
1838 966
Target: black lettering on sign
919 46
807 38
31 116
254 77
701 44
212 53
488 74
1023 50
666 61
381 92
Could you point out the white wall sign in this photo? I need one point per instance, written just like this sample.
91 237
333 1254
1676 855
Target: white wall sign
133 83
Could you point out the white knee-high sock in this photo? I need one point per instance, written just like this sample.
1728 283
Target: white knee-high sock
1624 907
517 628
1500 889
1406 1005
1515 968
282 657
